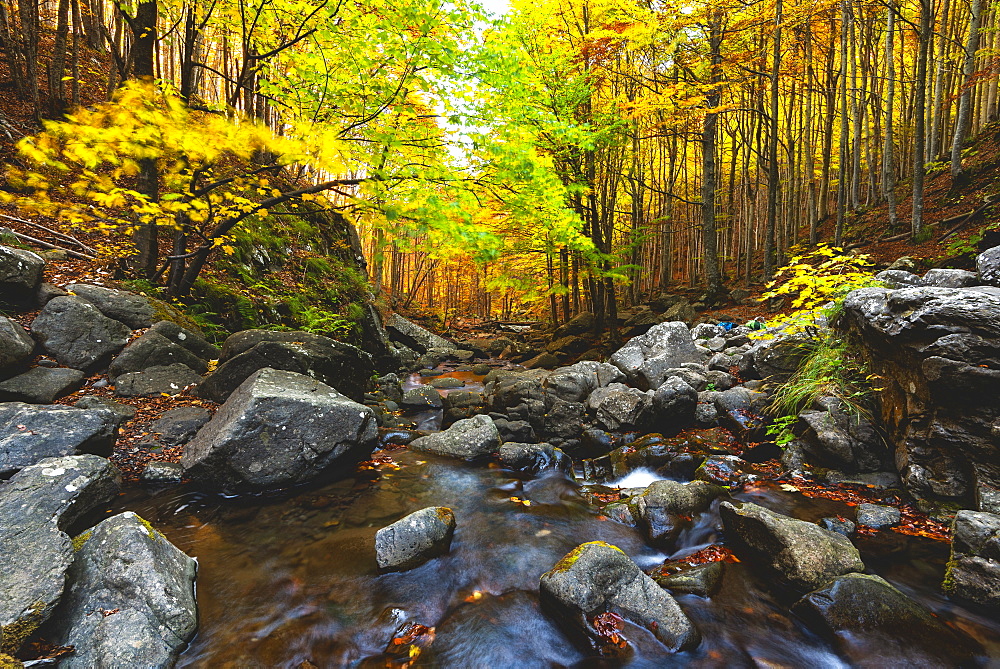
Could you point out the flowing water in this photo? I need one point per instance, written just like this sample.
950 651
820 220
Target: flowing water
291 581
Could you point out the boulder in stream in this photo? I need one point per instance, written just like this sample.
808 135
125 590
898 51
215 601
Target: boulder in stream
534 458
596 578
415 539
468 439
973 573
937 353
663 507
410 334
803 553
130 600
37 505
279 429
875 625
674 405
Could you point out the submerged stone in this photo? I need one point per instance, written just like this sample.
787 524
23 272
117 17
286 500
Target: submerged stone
596 578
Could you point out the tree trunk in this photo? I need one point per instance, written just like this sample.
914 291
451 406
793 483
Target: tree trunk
964 119
888 168
919 119
709 178
772 150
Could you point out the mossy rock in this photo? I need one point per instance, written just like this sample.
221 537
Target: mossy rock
164 311
12 636
8 662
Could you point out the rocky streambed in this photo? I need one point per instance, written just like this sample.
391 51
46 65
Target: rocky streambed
629 512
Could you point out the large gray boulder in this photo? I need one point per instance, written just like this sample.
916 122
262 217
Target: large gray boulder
408 333
133 310
279 429
576 382
898 278
152 349
973 573
673 406
29 433
804 554
534 458
468 439
645 359
664 507
875 625
937 354
596 578
16 346
415 539
841 437
345 367
621 408
125 566
950 278
988 266
78 334
37 505
40 385
20 276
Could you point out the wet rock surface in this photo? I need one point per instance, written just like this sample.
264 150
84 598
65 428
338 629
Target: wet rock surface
37 505
804 554
938 351
467 439
279 429
596 578
415 539
131 598
870 620
973 573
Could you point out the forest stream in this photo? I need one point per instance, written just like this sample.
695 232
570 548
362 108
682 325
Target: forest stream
292 581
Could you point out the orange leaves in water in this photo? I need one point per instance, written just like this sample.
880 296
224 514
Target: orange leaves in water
913 522
411 640
608 626
713 553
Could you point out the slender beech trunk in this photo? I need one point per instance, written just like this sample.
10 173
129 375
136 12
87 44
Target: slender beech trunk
772 149
964 119
888 167
709 178
919 118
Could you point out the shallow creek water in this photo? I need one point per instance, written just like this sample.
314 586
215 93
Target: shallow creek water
291 581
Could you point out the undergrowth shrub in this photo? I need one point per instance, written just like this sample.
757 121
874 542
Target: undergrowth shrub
819 281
